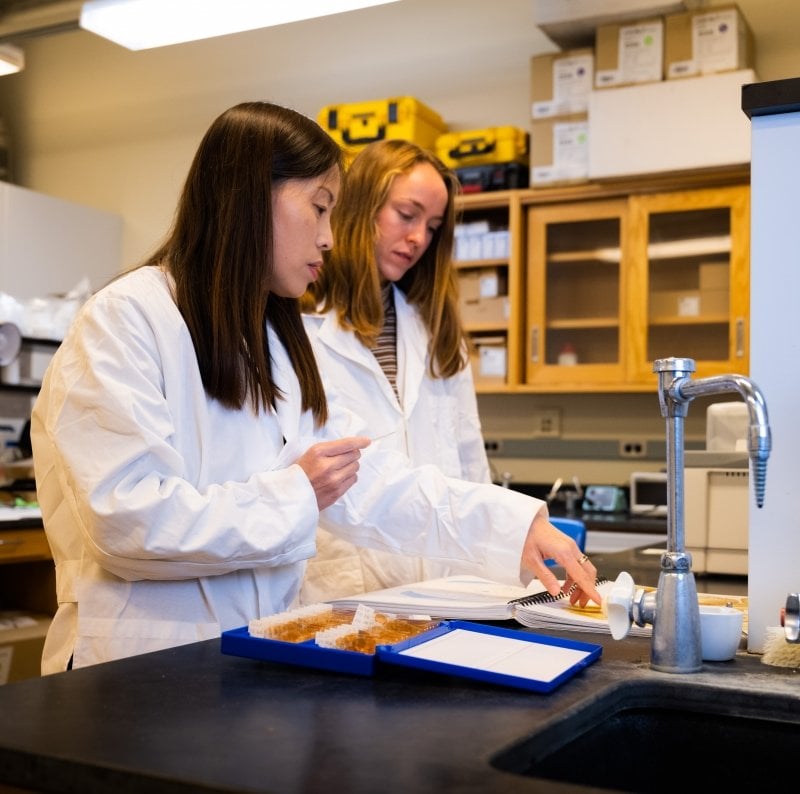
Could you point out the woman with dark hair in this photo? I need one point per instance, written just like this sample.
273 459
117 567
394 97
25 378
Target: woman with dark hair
183 446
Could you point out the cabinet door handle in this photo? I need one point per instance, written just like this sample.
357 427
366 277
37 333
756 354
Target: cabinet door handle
740 337
12 542
535 344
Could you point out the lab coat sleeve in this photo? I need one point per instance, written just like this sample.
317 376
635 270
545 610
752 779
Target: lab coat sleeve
106 430
471 449
394 507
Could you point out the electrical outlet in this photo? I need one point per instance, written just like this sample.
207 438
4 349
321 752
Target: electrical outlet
632 449
547 423
493 446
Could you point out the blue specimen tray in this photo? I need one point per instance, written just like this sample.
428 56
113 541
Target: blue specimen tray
508 657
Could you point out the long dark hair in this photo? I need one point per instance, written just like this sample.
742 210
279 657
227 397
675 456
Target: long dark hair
220 252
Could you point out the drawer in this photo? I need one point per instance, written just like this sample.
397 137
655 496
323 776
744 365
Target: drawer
19 545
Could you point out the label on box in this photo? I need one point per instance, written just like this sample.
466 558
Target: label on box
688 305
641 52
570 154
572 82
492 361
489 284
715 40
682 68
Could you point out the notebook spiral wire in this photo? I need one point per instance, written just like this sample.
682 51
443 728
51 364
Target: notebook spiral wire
549 598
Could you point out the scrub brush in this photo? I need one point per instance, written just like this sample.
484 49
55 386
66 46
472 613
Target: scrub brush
778 651
782 643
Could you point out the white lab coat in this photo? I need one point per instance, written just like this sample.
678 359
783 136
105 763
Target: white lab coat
434 422
171 518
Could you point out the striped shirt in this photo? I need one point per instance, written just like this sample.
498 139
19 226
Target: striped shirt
385 350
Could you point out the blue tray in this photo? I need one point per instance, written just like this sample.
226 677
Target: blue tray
507 657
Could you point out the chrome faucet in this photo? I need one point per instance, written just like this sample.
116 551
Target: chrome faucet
570 497
673 609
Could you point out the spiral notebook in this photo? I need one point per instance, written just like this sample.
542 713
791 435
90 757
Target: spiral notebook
474 598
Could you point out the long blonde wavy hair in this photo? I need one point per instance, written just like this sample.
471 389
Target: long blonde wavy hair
349 283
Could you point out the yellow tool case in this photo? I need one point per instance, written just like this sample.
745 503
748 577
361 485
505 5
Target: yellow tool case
484 147
357 124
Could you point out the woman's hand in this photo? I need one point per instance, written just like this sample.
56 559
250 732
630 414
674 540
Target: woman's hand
332 467
544 542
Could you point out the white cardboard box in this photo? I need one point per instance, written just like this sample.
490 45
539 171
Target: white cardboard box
673 125
572 23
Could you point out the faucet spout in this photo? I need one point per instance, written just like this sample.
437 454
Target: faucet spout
759 438
676 619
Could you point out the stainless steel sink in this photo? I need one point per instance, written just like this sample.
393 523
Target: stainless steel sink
659 736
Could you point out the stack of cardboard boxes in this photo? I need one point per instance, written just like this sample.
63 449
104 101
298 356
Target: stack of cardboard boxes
560 88
483 296
663 96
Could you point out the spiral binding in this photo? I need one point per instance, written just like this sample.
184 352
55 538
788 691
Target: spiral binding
549 598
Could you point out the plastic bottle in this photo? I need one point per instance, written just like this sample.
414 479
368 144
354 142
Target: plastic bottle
567 356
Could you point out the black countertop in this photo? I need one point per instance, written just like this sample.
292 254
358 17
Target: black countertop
191 718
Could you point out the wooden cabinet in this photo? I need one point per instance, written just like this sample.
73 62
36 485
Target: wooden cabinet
489 265
690 279
602 279
577 327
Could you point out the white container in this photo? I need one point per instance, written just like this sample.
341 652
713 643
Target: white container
720 632
673 125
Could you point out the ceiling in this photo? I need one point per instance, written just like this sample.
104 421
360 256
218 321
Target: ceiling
772 21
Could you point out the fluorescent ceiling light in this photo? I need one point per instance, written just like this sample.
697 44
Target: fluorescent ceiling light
142 24
12 59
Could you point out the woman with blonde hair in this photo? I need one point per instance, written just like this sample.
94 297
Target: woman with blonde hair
384 318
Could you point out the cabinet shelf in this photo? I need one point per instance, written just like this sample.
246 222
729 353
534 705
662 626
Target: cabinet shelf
678 249
35 341
486 328
466 264
583 322
705 319
600 255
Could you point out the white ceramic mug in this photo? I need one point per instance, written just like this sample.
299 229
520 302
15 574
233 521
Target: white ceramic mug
720 632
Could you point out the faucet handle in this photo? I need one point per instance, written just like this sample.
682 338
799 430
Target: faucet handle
617 605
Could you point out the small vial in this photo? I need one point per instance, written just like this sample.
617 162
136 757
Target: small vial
567 356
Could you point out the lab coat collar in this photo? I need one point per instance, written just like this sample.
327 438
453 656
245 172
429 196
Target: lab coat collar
412 337
412 351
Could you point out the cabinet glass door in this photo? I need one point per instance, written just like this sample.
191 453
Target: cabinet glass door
576 281
695 285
